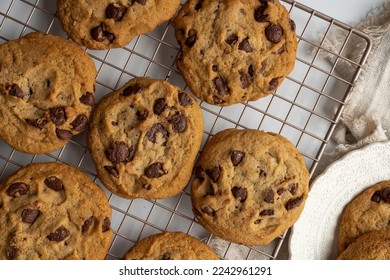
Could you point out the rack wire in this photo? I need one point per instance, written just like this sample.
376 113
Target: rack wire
305 110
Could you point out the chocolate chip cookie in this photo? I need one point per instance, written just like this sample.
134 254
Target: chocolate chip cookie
46 92
170 246
105 24
53 211
250 186
234 51
374 245
144 138
369 211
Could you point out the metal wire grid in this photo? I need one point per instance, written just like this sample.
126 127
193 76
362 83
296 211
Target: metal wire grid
305 110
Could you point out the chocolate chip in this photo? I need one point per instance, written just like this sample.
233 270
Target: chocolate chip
267 212
87 99
30 215
86 224
198 5
280 191
239 193
244 79
385 195
259 14
178 122
11 252
155 170
214 68
232 39
159 106
17 189
38 123
97 33
220 86
152 132
115 12
293 203
54 183
191 39
106 224
64 134
118 152
59 234
245 46
80 122
132 89
256 222
274 33
273 84
112 170
142 116
214 173
208 210
199 173
251 71
184 99
376 197
293 25
236 157
269 196
262 173
147 187
16 91
292 188
142 2
57 115
166 256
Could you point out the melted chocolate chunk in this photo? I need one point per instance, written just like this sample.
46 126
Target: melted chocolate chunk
280 191
236 157
199 173
274 33
147 186
198 5
178 122
59 234
142 116
15 90
106 224
11 252
245 46
273 84
80 122
385 195
259 13
159 106
208 210
155 170
239 193
251 71
152 132
214 173
17 189
30 215
292 188
118 152
86 224
220 86
112 170
38 123
267 212
293 203
232 39
87 99
57 115
64 134
54 183
244 79
293 25
184 99
214 68
269 196
191 39
115 12
99 33
132 89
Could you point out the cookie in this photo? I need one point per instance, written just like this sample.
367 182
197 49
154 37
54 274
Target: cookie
374 245
250 186
170 246
234 51
106 24
47 88
53 211
144 138
369 211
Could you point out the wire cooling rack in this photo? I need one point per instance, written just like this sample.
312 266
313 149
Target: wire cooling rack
304 109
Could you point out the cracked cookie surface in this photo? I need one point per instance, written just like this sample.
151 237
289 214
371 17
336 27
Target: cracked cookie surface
249 187
170 246
53 211
106 24
369 211
47 88
233 50
144 138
